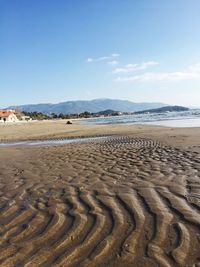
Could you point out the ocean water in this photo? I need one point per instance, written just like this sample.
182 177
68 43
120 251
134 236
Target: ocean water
189 118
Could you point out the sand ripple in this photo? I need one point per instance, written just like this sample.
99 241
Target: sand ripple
118 202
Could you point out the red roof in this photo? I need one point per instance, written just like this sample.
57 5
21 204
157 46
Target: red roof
6 113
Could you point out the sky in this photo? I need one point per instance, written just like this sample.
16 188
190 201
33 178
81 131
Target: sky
140 50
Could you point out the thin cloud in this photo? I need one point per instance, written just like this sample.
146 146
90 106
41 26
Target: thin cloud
195 68
115 55
110 58
192 73
102 58
89 60
113 63
135 67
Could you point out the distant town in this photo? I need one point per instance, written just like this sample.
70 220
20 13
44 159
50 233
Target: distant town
12 116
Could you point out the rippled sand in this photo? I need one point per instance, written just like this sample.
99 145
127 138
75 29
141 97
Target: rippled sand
120 202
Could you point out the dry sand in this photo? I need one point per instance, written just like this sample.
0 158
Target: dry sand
132 200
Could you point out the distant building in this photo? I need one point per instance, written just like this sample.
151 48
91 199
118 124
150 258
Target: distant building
26 118
8 116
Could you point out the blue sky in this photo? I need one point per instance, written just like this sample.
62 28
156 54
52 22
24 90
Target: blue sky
59 50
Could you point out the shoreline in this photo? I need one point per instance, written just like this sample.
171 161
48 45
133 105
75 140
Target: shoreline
184 138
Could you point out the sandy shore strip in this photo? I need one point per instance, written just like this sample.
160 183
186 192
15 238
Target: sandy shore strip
130 200
184 138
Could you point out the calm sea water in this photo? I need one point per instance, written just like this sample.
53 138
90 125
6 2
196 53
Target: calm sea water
189 118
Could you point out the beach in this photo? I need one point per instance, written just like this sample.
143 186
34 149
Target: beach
131 199
184 138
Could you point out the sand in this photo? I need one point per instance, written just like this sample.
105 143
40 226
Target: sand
131 200
184 138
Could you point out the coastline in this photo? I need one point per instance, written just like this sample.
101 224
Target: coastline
184 138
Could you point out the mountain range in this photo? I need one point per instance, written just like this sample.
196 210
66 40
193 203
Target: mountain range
79 106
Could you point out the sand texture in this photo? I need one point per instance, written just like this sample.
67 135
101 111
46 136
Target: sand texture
184 138
121 202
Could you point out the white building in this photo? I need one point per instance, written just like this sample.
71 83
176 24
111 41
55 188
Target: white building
8 116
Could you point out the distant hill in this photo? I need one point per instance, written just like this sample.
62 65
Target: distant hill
93 106
163 109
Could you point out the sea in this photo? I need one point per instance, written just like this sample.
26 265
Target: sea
190 118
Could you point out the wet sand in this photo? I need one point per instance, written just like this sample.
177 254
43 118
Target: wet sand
184 138
132 200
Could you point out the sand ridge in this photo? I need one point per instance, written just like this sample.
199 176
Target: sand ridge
119 202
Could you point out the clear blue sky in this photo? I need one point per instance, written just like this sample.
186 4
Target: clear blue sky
59 50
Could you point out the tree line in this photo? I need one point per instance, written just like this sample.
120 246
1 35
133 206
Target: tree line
41 116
